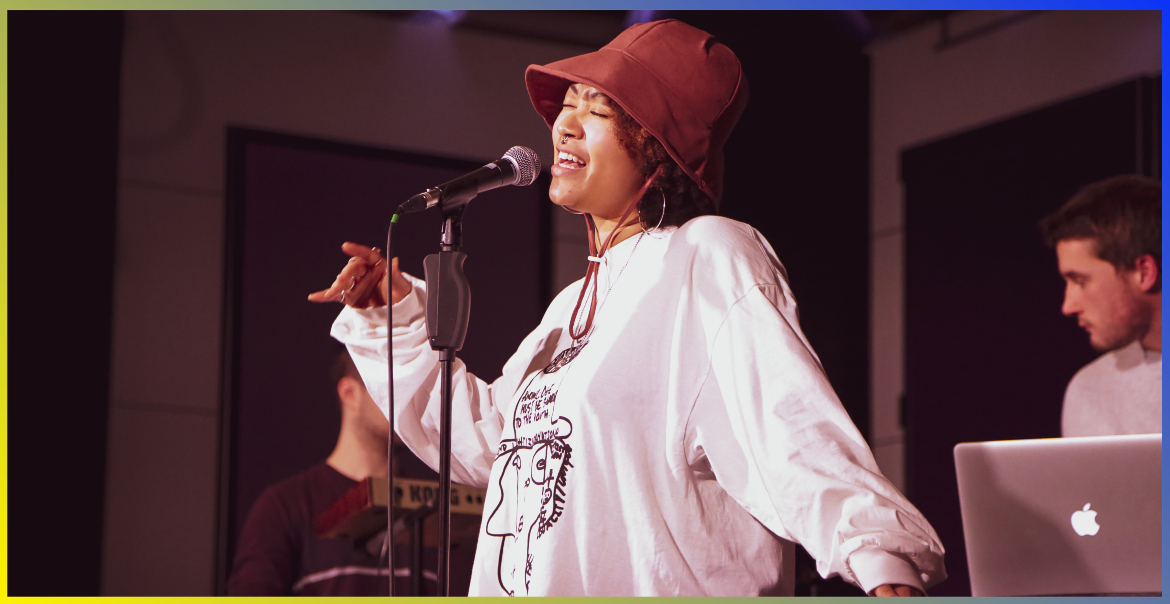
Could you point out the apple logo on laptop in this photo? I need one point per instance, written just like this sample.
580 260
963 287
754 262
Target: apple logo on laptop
1084 522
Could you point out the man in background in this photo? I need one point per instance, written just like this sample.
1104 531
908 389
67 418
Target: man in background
1108 241
278 552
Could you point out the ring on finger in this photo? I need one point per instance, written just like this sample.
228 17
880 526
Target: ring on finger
343 296
352 282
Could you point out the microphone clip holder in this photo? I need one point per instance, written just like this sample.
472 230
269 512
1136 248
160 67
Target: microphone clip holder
448 293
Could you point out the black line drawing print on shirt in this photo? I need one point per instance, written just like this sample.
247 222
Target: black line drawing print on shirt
532 483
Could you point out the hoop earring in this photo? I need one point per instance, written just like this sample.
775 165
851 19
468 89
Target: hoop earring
660 217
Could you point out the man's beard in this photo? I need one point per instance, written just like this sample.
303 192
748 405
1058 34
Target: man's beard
1132 324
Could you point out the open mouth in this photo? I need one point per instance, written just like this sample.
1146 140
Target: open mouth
568 160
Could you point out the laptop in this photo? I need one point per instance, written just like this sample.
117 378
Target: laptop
1063 516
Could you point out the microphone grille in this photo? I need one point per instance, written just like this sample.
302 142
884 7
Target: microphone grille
527 164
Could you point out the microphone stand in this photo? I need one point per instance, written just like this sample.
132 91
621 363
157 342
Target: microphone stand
448 307
449 303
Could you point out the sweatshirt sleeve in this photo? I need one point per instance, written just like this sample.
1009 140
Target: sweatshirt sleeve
781 444
475 420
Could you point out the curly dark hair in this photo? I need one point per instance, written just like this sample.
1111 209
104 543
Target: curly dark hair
1122 215
684 199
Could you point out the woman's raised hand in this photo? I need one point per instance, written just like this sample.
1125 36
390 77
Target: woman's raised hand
362 282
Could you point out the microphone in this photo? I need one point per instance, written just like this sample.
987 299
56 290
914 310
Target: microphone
519 166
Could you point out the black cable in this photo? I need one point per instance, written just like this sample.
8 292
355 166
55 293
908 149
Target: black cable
390 407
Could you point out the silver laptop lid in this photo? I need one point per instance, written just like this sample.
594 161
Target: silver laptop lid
1062 516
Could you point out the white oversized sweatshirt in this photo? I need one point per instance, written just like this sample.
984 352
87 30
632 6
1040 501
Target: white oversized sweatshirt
680 451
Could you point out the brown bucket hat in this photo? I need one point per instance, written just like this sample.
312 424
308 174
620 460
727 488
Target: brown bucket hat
678 82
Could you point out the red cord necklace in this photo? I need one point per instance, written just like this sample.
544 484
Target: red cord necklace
595 256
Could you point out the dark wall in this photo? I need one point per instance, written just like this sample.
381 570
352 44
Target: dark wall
63 81
798 171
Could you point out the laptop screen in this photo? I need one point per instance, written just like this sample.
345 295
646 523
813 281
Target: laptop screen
1065 516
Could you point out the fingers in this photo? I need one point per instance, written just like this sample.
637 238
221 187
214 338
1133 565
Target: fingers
370 255
319 297
355 249
363 291
357 280
904 591
333 293
336 292
365 271
347 280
